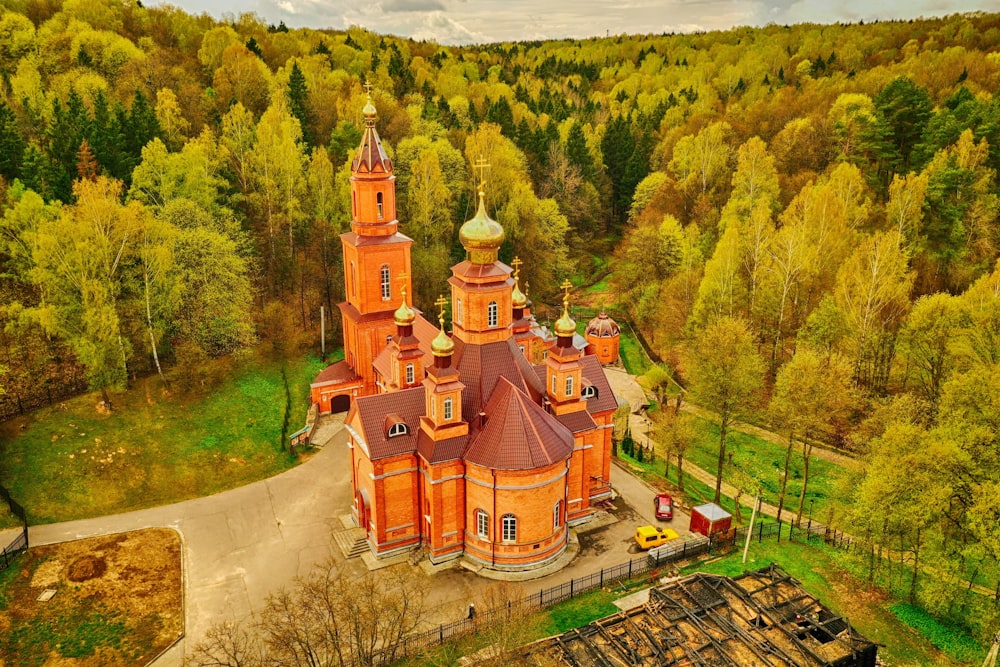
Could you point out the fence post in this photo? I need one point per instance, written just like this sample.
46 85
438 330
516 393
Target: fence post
571 588
441 634
629 568
602 577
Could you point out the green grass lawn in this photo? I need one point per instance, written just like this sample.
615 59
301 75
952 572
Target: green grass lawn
632 355
868 610
764 461
71 462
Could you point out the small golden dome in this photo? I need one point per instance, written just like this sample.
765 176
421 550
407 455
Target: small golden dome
404 315
369 111
481 237
565 326
442 345
517 298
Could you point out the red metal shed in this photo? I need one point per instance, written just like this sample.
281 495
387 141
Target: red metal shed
709 519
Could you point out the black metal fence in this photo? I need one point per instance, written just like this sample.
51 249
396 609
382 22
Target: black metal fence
20 543
14 404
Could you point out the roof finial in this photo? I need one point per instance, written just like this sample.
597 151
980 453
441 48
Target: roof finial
482 166
441 303
565 327
369 111
566 287
516 263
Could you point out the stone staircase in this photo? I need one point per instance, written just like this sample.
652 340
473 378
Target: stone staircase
352 542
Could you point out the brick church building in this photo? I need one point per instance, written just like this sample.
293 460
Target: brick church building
459 443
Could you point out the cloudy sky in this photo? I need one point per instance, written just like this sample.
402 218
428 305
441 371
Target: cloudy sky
465 21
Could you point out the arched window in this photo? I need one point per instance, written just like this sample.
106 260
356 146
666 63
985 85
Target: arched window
569 385
386 289
388 339
491 314
398 429
458 311
482 524
589 391
509 528
409 374
554 378
354 280
521 347
378 203
557 515
447 409
354 205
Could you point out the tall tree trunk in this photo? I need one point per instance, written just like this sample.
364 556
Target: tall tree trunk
784 476
806 455
680 471
149 326
722 460
916 568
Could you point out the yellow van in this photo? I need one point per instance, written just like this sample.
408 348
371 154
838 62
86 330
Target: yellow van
648 537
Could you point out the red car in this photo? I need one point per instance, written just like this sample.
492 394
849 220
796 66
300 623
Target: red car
663 505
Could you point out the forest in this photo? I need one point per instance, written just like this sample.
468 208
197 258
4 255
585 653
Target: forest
815 205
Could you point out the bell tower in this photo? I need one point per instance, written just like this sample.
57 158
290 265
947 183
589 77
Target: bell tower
376 255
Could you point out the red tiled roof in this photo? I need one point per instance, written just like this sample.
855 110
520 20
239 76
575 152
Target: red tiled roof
481 366
406 405
359 240
444 450
336 373
577 421
519 434
467 269
424 332
593 373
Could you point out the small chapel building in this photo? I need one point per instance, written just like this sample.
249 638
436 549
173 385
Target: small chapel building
459 443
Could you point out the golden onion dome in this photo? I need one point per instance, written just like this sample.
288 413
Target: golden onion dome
481 237
517 297
565 326
370 112
404 315
442 345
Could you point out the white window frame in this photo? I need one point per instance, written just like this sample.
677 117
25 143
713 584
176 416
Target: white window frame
385 276
379 204
449 409
509 523
555 379
492 314
398 429
458 311
482 524
569 385
410 374
589 391
557 515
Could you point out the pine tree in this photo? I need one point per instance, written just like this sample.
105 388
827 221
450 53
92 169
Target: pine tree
11 144
577 152
298 103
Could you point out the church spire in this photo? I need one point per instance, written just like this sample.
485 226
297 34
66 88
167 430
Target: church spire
482 235
565 326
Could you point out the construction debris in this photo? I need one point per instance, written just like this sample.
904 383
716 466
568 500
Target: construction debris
761 619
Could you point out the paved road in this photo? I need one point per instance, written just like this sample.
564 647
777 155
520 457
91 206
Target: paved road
243 544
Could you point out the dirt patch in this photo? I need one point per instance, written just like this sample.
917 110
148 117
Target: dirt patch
118 601
86 568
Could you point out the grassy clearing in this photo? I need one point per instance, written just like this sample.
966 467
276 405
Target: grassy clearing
118 601
632 355
868 610
764 461
71 462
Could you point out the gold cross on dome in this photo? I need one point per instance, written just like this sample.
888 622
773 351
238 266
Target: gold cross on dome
566 286
368 88
441 303
516 263
482 166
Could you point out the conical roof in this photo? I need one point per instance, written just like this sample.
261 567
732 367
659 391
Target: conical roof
603 326
519 434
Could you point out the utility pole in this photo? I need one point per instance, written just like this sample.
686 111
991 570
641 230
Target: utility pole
322 333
